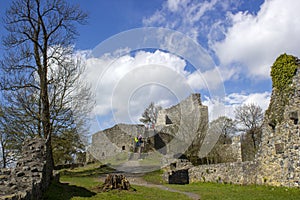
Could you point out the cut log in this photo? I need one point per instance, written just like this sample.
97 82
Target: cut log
115 181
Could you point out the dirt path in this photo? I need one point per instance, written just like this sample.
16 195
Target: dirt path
137 179
142 182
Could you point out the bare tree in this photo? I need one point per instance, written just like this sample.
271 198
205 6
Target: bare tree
150 114
224 127
220 132
2 141
9 145
40 34
250 118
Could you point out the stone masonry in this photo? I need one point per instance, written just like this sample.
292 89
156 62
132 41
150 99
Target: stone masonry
28 180
110 142
277 162
176 127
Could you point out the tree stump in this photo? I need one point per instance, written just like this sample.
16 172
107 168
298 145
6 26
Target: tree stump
115 181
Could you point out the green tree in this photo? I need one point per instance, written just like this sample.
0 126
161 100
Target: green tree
38 67
66 147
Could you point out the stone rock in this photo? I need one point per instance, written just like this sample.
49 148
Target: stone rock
27 181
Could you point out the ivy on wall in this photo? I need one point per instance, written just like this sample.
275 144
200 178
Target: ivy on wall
282 73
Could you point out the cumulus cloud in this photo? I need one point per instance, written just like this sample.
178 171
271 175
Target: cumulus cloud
125 85
245 41
226 107
255 41
244 44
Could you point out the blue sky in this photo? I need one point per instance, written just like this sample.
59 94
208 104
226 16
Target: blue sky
240 39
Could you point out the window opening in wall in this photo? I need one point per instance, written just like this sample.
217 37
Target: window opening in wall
123 148
103 154
168 121
294 116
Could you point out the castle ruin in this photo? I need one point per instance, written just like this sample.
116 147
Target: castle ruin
277 162
176 128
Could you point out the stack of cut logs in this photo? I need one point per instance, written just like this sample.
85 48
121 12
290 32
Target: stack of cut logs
115 181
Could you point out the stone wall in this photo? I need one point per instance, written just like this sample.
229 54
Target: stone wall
187 120
277 162
231 152
235 173
175 114
29 179
112 141
279 154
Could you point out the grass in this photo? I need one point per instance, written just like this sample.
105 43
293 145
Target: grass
92 170
117 159
86 188
216 191
83 183
154 177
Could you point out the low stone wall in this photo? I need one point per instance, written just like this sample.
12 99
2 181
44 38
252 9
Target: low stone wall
28 180
236 173
179 177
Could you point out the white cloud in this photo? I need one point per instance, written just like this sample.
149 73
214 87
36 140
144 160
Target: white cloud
246 45
211 79
250 40
173 5
126 85
255 41
190 17
217 107
185 14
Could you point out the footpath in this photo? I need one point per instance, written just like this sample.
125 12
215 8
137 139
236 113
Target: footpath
134 172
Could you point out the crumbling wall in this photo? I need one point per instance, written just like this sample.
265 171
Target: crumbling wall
28 180
112 141
279 154
278 159
175 114
187 121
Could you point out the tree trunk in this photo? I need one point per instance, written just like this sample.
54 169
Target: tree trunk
49 160
3 155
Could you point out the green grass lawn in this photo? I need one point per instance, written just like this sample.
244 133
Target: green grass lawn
216 191
83 183
87 189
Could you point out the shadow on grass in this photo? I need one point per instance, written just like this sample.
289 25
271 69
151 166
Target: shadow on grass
65 191
103 169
